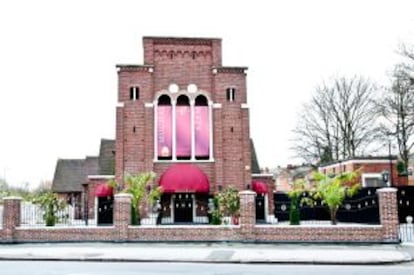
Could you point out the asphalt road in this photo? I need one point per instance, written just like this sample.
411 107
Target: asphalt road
124 268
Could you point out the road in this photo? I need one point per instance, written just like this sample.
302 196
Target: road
126 268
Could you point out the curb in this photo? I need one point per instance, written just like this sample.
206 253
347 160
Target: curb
406 258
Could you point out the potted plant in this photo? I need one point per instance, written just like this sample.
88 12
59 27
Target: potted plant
229 203
50 204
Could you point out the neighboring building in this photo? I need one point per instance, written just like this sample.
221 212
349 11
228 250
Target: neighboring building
410 170
71 175
285 176
372 170
184 116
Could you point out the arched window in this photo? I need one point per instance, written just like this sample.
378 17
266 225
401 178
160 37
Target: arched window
183 127
164 127
202 128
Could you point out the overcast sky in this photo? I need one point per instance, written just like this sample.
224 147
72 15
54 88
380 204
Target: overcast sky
58 81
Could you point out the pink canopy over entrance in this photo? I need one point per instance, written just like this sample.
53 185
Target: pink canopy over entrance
259 187
184 178
103 190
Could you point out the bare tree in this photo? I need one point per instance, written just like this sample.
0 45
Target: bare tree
397 110
338 123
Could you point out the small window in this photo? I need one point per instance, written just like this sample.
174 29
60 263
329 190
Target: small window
230 92
134 93
374 182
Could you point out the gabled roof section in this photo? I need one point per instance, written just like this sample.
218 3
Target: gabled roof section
71 173
255 168
107 157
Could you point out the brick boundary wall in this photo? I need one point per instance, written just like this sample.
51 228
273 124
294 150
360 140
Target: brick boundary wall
247 231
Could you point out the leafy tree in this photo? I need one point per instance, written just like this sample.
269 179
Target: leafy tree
332 191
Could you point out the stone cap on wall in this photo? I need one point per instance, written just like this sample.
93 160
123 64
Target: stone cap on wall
387 189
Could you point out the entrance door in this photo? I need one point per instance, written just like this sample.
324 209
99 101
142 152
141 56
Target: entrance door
260 208
105 210
183 208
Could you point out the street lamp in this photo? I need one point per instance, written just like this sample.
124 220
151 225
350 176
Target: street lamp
385 176
390 156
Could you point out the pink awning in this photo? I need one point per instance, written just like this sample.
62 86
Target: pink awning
259 187
185 178
103 190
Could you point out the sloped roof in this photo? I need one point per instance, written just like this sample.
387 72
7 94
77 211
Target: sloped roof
255 168
107 157
71 173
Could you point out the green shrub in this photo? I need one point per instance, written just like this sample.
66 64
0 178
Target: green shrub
294 212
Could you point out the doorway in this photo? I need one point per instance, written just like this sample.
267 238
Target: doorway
260 208
105 210
183 208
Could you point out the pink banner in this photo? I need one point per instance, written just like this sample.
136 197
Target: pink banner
183 131
202 131
164 127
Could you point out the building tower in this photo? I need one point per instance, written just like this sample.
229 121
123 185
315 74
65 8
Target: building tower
184 116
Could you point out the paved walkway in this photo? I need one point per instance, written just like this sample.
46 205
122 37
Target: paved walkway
204 253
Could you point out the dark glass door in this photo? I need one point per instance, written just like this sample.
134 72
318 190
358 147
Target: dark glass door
260 207
105 210
183 208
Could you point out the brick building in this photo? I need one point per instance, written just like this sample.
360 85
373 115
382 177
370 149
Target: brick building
184 115
372 170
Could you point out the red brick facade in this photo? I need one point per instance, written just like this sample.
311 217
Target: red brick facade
184 61
369 167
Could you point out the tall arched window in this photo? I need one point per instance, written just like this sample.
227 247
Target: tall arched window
202 128
183 128
164 127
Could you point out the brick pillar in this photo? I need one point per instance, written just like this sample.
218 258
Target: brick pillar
11 217
122 216
247 213
388 210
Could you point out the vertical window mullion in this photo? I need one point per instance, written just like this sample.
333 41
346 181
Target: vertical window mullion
192 103
174 132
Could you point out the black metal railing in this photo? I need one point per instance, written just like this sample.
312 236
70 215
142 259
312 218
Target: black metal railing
361 208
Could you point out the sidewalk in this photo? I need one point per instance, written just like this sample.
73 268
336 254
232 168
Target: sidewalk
207 253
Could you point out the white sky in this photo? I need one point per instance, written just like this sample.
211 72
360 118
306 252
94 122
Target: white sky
58 81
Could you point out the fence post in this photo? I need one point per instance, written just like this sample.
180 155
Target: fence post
122 215
247 213
388 210
11 217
